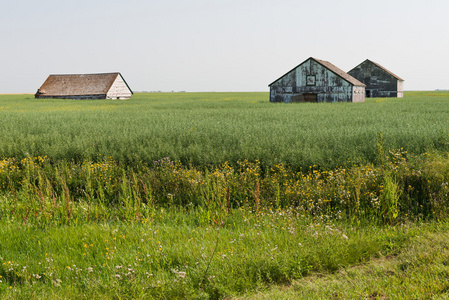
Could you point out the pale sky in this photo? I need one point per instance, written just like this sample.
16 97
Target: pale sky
219 45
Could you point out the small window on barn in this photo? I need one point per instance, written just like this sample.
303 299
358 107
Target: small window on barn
310 80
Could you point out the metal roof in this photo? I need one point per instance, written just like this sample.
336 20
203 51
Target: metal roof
79 84
330 67
386 70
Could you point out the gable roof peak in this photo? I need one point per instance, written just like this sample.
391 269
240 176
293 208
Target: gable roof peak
339 72
381 67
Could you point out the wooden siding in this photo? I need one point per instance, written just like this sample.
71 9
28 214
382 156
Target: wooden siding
119 90
313 78
73 97
379 81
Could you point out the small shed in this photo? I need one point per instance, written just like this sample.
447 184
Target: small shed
85 86
379 81
316 80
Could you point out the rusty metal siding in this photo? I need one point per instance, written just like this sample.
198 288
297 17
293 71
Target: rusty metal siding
328 86
379 81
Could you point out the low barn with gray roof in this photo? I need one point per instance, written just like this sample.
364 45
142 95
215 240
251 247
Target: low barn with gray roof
85 86
379 81
317 80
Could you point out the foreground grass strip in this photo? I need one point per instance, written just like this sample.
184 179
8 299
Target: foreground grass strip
172 258
419 271
404 187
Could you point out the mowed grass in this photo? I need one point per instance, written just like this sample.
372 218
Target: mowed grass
419 271
205 129
177 256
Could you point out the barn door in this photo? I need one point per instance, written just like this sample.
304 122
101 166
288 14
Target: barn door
297 98
310 97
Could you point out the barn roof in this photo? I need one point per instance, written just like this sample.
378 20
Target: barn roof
330 67
383 68
79 84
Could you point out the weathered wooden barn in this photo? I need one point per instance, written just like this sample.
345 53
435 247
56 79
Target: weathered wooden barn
85 86
316 80
379 81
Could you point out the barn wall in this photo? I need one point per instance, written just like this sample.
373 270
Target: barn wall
74 97
358 94
400 88
336 94
327 86
119 90
379 83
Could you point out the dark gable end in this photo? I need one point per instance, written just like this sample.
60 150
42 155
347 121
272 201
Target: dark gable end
380 82
386 70
367 61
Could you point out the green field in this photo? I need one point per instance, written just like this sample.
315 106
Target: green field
223 196
210 128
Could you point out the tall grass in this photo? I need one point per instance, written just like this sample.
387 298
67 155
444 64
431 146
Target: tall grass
404 187
205 129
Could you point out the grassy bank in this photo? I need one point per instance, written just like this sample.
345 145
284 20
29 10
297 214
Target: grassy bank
174 257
